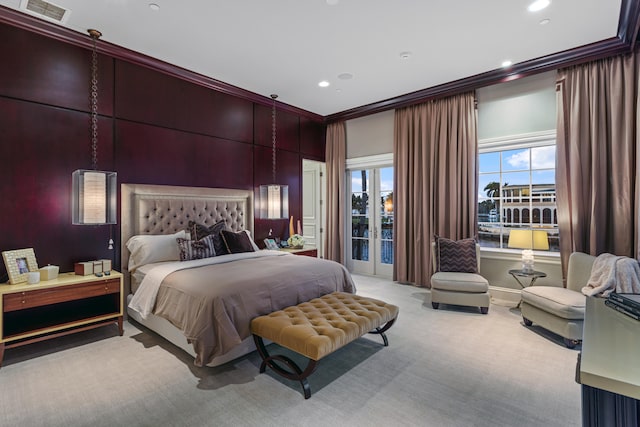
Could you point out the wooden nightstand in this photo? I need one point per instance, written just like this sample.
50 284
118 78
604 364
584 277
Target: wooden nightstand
312 252
68 304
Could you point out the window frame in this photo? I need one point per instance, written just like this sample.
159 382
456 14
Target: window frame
515 142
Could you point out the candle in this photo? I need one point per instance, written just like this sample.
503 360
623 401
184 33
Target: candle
527 260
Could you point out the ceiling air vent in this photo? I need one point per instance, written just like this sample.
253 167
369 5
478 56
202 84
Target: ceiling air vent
45 10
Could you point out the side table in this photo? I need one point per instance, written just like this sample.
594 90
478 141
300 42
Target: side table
531 275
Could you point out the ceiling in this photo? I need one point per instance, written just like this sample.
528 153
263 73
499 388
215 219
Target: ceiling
288 46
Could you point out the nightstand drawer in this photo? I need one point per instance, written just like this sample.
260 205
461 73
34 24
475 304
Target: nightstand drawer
41 297
307 252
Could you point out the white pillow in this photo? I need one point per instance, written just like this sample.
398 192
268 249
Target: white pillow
148 248
255 247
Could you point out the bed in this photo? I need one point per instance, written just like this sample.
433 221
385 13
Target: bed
225 291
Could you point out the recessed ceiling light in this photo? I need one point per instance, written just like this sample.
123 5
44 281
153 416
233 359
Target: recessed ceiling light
544 21
506 64
332 2
538 5
324 83
155 7
405 55
345 76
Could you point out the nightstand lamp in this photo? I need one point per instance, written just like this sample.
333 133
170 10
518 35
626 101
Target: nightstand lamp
528 240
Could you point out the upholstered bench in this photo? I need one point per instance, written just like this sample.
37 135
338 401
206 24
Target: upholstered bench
317 328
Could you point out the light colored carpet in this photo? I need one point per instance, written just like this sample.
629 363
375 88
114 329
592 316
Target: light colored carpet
447 367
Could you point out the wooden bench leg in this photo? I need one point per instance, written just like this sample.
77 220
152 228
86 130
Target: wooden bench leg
382 329
293 373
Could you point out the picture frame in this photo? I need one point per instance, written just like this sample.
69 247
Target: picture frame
271 244
18 263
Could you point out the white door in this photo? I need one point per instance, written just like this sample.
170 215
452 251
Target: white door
371 237
313 191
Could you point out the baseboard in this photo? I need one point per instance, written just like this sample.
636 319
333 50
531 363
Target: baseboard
504 295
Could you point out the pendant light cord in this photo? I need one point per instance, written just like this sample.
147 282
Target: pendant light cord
273 138
95 35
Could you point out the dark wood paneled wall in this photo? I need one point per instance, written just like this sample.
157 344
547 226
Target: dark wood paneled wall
153 129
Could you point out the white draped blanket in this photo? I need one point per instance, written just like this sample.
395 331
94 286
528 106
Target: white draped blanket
612 273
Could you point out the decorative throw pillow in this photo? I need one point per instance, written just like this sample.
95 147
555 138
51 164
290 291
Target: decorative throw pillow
456 256
199 231
237 242
196 249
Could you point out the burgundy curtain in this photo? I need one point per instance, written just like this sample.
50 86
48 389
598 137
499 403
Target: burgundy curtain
436 179
597 157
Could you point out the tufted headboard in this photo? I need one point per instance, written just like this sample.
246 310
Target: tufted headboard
163 209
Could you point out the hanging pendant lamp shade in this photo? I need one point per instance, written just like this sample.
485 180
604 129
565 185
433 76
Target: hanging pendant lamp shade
274 201
93 197
274 198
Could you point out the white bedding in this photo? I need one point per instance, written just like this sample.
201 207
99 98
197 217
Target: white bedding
144 299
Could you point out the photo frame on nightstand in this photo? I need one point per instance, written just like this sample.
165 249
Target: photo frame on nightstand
270 244
18 263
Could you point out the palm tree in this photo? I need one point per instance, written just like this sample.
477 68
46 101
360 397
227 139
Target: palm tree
493 190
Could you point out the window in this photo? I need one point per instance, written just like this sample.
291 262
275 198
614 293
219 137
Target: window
517 191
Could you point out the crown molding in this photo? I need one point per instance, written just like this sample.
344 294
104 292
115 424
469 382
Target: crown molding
624 42
65 35
629 22
591 52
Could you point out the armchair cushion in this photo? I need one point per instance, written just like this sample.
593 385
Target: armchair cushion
456 256
562 302
459 282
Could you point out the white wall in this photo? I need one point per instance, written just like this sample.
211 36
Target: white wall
517 107
370 135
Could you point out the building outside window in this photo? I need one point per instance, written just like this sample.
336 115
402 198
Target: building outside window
517 191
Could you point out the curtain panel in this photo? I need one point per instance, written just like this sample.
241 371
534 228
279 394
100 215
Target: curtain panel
436 181
597 157
335 159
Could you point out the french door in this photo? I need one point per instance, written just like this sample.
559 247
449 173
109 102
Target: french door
371 238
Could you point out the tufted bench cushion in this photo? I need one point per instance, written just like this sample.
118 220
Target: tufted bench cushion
319 327
323 325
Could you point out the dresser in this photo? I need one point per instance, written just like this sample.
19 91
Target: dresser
53 308
608 367
312 252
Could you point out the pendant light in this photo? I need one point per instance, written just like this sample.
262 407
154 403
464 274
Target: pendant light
93 200
274 198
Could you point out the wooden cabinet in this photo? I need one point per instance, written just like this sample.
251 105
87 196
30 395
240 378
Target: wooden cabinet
608 367
68 304
312 252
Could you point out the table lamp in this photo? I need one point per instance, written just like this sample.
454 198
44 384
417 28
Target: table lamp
528 240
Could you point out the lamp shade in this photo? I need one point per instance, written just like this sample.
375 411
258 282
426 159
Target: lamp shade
274 201
93 197
529 239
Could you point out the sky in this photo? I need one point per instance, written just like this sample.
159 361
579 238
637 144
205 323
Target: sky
514 165
386 180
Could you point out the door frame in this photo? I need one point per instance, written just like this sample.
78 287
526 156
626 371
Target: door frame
318 197
367 162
